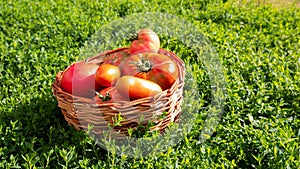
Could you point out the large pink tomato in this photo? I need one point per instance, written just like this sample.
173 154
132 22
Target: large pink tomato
79 79
147 41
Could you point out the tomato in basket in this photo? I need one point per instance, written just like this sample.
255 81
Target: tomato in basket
116 58
147 41
79 78
136 88
106 74
158 68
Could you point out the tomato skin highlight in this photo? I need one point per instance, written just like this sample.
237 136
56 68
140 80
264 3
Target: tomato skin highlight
155 67
79 79
106 74
137 88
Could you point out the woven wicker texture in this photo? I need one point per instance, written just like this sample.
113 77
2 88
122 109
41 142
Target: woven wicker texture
81 112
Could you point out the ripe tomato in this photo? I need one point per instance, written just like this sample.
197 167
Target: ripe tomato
79 79
147 41
116 58
155 67
109 94
140 46
137 88
106 74
149 35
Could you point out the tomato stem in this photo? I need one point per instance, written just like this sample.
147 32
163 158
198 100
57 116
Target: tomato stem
143 65
103 98
133 36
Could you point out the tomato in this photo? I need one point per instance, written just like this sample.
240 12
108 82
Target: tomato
79 79
149 35
136 88
155 67
147 41
116 58
110 94
139 46
106 74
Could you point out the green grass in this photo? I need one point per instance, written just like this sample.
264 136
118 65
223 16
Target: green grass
257 44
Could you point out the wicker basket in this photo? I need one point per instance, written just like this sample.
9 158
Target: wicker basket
79 111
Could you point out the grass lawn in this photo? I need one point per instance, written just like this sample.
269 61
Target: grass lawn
258 44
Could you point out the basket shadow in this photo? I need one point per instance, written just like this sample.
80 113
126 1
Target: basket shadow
39 126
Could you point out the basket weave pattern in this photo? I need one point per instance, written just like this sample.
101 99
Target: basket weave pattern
79 111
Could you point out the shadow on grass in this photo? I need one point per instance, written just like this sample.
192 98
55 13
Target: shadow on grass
37 127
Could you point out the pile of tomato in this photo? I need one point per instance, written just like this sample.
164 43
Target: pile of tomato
142 72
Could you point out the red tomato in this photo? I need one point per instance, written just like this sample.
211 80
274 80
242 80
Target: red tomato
147 41
110 94
155 67
136 88
106 74
79 79
116 58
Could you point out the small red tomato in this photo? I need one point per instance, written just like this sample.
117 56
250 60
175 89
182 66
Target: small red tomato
136 88
106 74
79 79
